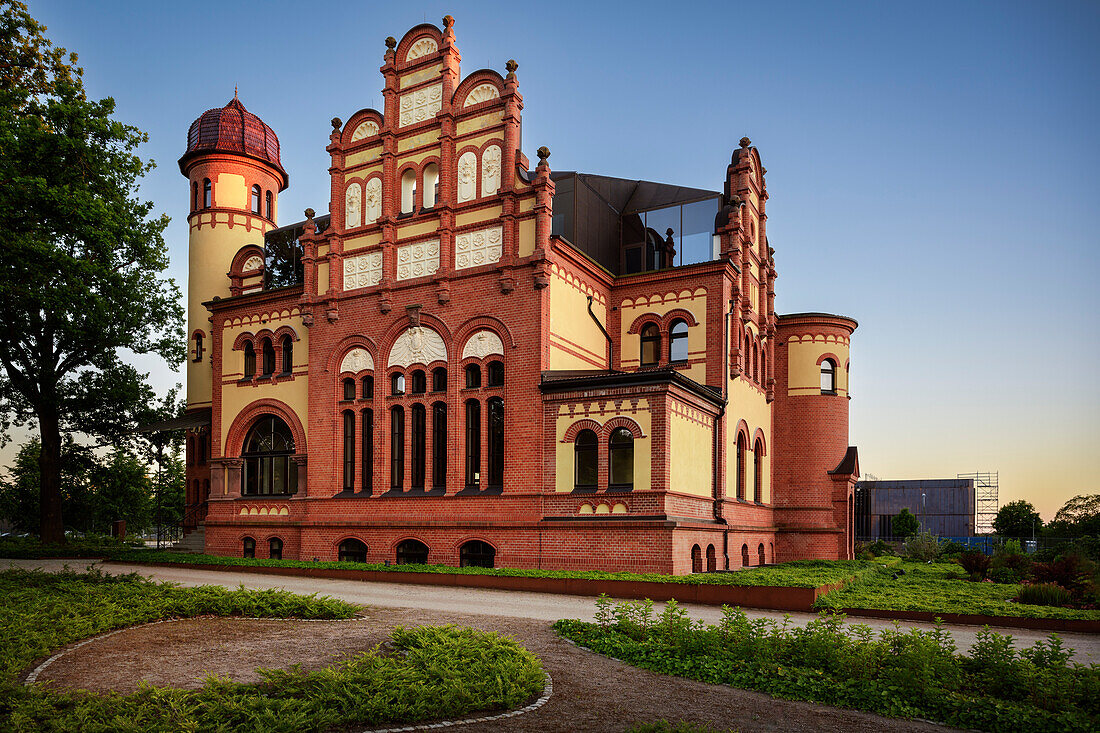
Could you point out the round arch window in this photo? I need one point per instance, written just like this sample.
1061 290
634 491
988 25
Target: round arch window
352 550
412 552
268 467
477 554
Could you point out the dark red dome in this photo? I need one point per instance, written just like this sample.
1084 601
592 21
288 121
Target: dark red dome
233 129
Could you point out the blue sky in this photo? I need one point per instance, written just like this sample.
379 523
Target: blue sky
931 167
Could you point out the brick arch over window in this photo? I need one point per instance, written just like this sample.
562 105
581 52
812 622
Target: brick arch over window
643 320
678 313
743 429
758 437
830 355
470 327
398 327
338 352
411 38
244 254
285 331
234 440
621 422
245 338
474 80
368 114
577 427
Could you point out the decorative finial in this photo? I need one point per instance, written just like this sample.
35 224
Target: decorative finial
543 153
745 142
235 92
669 232
309 214
336 122
511 66
391 42
448 21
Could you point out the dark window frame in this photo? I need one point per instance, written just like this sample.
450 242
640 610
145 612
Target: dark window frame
397 384
256 196
495 449
287 347
622 448
397 448
367 387
494 373
349 450
650 334
249 360
267 349
439 445
674 340
473 445
352 550
418 382
248 547
270 208
473 553
419 444
439 379
275 548
367 439
830 372
473 376
588 451
207 194
262 468
349 389
412 552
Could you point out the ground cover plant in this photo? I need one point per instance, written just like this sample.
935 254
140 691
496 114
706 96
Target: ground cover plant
429 672
913 673
939 588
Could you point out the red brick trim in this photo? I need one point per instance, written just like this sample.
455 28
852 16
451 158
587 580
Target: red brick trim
340 350
585 424
742 429
474 79
357 119
672 315
829 355
242 339
234 442
424 30
758 437
636 326
622 422
478 323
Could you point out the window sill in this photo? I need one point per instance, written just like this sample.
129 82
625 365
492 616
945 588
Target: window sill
585 489
253 497
621 489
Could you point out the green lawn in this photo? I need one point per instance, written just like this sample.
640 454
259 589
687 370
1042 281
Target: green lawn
431 673
938 588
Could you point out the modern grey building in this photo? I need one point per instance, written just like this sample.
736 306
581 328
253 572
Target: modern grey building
945 507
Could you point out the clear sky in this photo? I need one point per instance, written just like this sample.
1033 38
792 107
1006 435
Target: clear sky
932 169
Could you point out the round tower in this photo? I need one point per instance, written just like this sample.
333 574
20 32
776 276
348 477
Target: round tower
235 177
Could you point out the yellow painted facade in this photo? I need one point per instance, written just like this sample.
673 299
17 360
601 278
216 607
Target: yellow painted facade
477 216
576 342
417 230
694 302
418 141
602 412
690 450
803 364
747 403
364 156
367 240
526 244
478 123
431 72
230 191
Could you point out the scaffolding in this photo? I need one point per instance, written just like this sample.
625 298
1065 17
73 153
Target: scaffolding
986 499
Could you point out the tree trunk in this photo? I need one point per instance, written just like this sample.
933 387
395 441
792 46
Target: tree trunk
49 467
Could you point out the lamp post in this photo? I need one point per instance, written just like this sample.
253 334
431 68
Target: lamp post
922 510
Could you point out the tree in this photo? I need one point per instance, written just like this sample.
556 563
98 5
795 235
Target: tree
904 524
1078 516
1017 519
20 491
80 277
122 490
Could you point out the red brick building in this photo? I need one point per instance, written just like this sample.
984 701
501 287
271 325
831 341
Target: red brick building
470 361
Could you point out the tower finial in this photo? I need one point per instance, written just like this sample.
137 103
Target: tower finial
235 92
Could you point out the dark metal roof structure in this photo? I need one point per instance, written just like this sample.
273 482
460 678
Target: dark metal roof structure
233 129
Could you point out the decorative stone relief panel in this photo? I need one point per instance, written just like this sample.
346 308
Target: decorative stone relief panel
481 93
363 271
417 345
423 47
421 105
253 263
490 170
417 260
374 201
467 177
364 130
481 344
478 248
356 360
353 201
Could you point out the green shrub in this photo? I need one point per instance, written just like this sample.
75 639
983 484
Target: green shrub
923 547
1044 594
878 548
975 563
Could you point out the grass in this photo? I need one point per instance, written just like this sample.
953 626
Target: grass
939 588
430 673
912 674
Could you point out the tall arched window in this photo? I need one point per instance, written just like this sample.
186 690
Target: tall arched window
651 344
419 382
744 555
349 389
248 547
397 448
352 550
758 471
249 360
419 437
207 194
397 383
194 196
473 376
742 448
408 191
621 459
268 468
496 442
255 199
349 449
763 364
275 548
288 354
439 445
198 346
476 554
748 357
270 208
586 448
828 377
495 373
678 341
696 559
473 444
368 387
760 553
412 552
431 185
439 379
712 561
367 417
269 357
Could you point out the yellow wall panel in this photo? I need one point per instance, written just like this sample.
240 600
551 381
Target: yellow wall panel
691 450
431 72
473 217
230 192
526 244
803 370
478 123
575 341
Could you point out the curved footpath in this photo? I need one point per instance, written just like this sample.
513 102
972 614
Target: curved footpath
536 606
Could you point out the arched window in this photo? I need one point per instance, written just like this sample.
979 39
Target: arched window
204 447
248 547
763 364
586 449
349 388
349 449
758 471
419 382
431 185
439 379
756 360
397 383
742 448
397 448
367 417
678 341
748 358
419 437
760 553
207 194
288 354
473 444
268 468
651 344
249 360
352 551
269 357
476 554
439 445
496 373
194 196
408 191
255 199
744 556
368 387
621 459
712 561
496 442
473 376
412 552
696 559
828 377
198 347
270 208
275 548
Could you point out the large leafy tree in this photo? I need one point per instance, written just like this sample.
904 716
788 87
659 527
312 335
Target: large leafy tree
1078 516
1017 519
80 276
905 524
